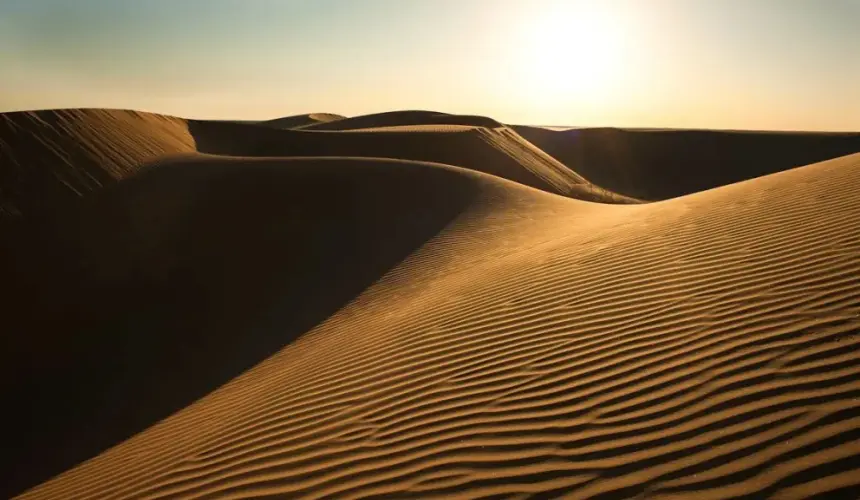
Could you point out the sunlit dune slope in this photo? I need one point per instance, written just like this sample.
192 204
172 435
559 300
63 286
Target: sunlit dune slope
47 157
704 346
660 164
300 121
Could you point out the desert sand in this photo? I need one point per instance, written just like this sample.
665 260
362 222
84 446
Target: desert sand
302 121
422 305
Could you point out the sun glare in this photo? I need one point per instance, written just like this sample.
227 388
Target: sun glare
573 51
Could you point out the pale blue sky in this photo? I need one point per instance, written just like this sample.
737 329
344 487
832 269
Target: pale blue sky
756 64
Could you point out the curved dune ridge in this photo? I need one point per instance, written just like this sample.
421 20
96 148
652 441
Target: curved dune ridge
350 326
146 288
51 158
497 151
704 346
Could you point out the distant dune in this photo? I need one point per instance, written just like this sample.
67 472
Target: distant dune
400 118
661 164
73 152
415 306
300 121
498 151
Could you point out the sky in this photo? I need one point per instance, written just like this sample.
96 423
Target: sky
734 64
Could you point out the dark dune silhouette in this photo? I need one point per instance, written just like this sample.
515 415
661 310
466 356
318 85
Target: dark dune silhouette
301 121
405 118
661 164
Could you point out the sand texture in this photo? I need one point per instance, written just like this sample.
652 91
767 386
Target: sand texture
407 308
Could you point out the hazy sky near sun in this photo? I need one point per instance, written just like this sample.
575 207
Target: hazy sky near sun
751 64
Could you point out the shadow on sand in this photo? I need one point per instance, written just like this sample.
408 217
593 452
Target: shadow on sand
156 291
661 164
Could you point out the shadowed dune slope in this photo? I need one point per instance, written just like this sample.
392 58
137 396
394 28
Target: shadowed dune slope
661 164
300 121
159 289
498 151
705 346
49 157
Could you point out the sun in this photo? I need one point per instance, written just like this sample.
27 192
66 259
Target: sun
573 50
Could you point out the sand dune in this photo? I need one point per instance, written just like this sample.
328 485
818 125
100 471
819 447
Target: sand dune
405 329
661 164
301 121
70 153
498 151
47 157
188 249
400 118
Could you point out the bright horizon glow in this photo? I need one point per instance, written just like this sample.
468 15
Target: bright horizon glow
722 64
570 49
